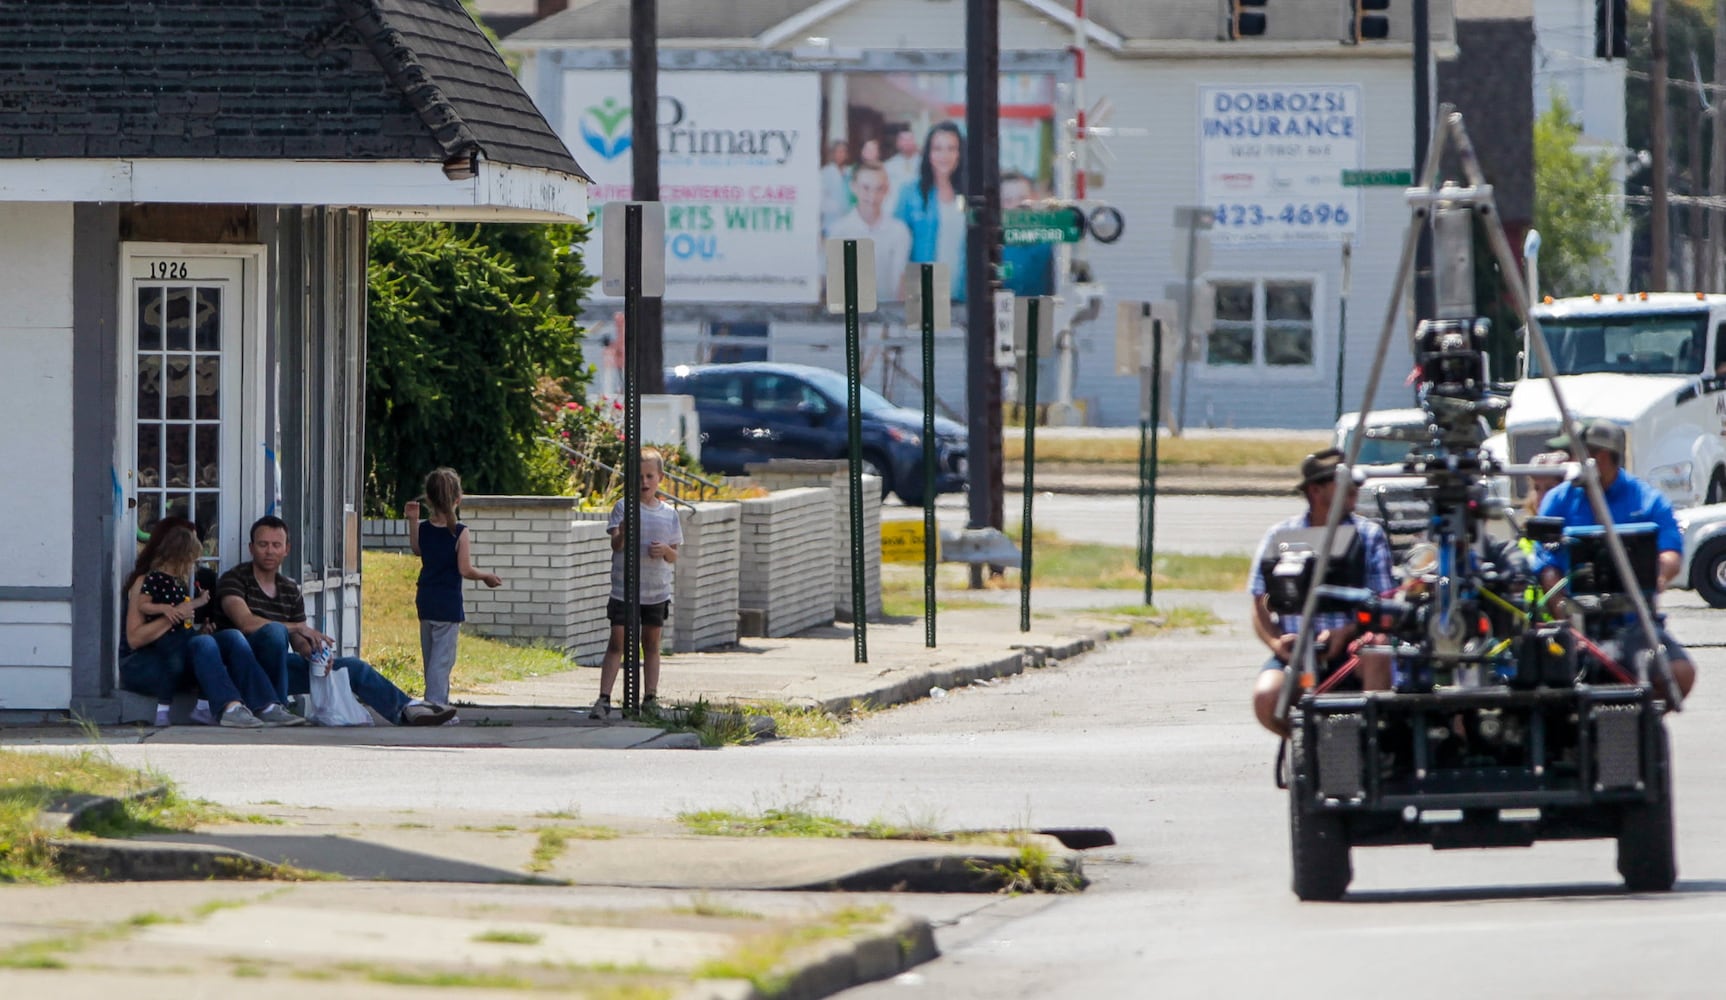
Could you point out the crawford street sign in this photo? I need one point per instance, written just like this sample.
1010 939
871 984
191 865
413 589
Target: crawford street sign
1023 226
1377 178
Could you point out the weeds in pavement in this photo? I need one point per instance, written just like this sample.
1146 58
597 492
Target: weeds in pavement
704 905
554 840
760 957
390 635
509 937
715 726
1031 869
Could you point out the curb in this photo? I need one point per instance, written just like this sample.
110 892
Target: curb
917 688
129 861
881 953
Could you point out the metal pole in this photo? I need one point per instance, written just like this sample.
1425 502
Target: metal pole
1659 235
1423 305
1187 325
926 274
647 327
1032 329
632 461
1342 323
1151 482
1716 162
982 253
854 431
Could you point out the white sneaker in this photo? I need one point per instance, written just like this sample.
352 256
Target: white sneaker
600 709
239 716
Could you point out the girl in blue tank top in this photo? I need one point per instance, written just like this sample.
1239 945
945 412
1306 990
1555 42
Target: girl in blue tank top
443 544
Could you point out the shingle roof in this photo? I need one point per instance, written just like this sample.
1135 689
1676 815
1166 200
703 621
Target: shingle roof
296 79
609 19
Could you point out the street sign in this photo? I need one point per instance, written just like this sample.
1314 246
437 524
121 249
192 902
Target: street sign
1377 178
1003 329
865 270
1022 226
652 248
942 298
902 541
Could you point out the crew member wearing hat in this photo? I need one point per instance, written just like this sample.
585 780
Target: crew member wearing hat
1628 500
1334 629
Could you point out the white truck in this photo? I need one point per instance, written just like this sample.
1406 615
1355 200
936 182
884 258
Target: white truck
1654 363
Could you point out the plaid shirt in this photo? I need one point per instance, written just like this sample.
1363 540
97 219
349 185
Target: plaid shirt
1378 572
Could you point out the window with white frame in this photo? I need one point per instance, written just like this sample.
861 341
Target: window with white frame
1262 323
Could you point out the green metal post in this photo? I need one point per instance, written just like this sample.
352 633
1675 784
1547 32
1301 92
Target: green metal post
1144 456
1151 465
854 420
930 538
1031 329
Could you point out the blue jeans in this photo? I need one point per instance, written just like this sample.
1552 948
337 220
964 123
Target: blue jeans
270 645
224 669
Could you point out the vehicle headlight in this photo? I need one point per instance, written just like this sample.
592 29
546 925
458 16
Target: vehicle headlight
904 436
1674 478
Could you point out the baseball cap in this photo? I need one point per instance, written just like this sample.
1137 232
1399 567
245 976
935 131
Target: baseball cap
1602 434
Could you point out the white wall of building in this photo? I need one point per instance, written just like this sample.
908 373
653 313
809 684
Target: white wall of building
36 452
1156 172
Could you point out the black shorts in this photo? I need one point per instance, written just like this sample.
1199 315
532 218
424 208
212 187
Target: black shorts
652 615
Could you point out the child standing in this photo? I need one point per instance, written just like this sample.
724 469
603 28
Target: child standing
443 544
661 534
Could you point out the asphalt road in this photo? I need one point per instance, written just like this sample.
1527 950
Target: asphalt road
1151 738
1190 525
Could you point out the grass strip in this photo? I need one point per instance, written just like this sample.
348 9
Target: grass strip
760 958
1279 452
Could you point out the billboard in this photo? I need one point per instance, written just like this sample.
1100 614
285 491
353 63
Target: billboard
1271 160
738 159
893 170
758 169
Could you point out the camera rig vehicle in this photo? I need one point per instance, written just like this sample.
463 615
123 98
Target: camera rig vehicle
1507 721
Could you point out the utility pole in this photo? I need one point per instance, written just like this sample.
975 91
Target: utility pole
1423 304
1717 165
1693 226
982 253
649 338
1659 238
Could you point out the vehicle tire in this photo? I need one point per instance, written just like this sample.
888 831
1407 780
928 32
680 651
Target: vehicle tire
1318 841
1716 487
1646 856
1708 572
875 465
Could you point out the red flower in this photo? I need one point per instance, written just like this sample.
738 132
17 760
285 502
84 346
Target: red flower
572 405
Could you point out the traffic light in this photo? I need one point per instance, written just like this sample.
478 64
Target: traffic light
1611 39
1246 18
1370 21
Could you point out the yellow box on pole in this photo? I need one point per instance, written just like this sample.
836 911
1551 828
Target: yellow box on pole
902 541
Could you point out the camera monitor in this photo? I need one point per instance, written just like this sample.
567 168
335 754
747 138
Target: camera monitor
1592 568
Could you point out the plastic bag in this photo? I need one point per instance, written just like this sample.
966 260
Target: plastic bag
332 701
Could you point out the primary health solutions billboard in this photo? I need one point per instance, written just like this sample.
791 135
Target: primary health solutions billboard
1271 160
738 163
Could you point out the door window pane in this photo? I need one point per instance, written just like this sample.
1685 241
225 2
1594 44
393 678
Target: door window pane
208 320
179 319
177 386
209 389
150 388
209 472
149 319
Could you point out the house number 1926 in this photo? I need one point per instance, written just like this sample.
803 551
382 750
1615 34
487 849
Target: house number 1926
168 270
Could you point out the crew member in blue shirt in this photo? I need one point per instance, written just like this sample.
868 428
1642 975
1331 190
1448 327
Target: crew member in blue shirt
1629 500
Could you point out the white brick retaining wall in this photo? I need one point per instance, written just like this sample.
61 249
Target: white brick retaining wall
704 601
784 474
787 551
556 568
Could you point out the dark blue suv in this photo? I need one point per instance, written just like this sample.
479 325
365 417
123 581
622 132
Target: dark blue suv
756 411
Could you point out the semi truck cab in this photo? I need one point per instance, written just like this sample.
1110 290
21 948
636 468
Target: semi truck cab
1654 363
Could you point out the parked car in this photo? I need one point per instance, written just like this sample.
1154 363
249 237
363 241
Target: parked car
1396 504
756 411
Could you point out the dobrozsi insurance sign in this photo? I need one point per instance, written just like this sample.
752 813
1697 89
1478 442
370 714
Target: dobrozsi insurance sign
1271 160
739 171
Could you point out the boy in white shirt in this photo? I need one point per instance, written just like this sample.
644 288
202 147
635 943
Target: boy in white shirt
661 534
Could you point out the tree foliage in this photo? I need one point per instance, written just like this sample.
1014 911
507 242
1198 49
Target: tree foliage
1574 206
467 328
